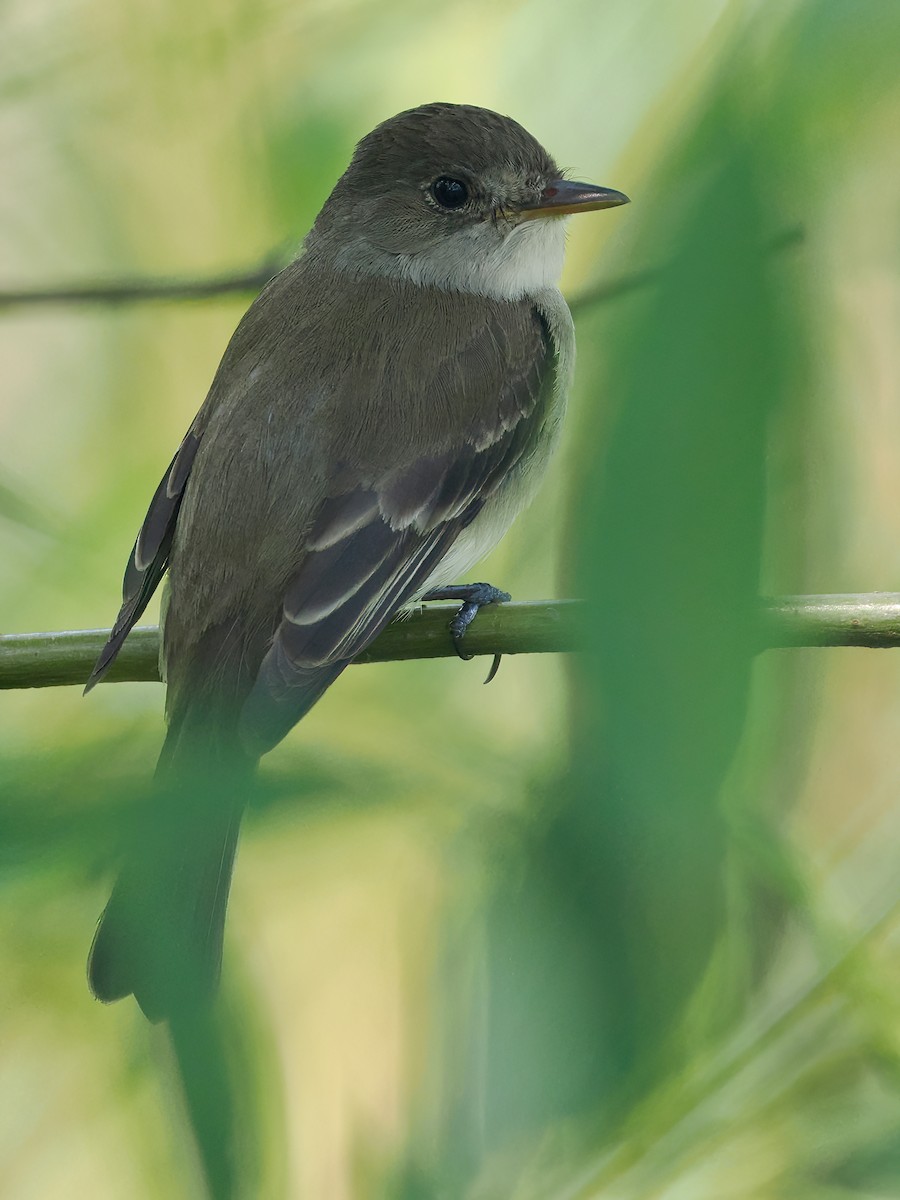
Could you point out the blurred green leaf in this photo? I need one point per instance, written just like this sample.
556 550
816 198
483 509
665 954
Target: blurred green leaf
210 1098
231 1095
598 949
647 918
670 549
15 506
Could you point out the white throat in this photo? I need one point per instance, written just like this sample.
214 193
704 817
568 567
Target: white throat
477 260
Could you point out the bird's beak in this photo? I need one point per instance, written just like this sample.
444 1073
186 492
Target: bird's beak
563 197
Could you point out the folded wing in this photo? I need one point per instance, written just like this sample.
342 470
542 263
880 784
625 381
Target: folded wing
150 555
374 546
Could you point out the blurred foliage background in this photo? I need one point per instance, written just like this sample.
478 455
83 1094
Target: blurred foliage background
625 927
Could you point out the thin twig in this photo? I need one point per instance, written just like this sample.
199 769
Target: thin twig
544 627
787 239
132 291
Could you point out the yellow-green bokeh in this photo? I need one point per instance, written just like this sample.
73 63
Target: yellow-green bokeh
361 972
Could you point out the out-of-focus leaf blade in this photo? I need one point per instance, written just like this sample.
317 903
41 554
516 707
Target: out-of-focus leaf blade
670 529
600 943
18 508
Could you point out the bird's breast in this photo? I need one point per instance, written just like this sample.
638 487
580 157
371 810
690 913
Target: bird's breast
518 488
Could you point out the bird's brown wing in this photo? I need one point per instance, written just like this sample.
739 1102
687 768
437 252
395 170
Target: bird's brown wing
374 545
150 555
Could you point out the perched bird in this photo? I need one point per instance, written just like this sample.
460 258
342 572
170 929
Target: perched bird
383 411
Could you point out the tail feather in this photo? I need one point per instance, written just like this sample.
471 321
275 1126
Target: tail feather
161 934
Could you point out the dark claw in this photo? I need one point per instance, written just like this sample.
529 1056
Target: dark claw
473 596
495 667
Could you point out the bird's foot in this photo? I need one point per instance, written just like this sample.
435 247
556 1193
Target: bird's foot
473 596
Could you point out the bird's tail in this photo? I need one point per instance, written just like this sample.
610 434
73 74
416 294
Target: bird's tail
160 936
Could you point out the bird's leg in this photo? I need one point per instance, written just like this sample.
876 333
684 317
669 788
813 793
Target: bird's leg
473 597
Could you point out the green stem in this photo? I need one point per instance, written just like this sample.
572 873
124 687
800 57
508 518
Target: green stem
544 627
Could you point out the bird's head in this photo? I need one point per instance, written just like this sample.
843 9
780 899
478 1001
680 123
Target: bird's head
454 197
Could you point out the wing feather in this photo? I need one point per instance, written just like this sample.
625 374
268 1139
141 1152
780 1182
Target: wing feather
150 555
375 546
390 514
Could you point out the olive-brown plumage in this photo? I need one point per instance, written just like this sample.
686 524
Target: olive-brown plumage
384 409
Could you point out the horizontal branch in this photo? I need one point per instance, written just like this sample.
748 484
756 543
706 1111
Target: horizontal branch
873 620
870 620
252 279
634 281
132 291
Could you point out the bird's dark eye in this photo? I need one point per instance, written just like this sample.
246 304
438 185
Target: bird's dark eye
449 193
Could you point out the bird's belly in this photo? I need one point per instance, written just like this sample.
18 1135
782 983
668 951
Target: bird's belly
518 489
474 544
479 539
